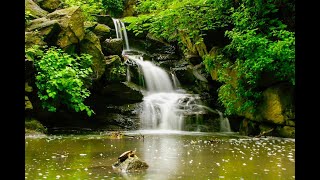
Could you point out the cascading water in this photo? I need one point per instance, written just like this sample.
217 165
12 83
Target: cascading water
121 32
165 104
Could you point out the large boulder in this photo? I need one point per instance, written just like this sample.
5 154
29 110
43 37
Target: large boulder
34 9
49 5
71 21
91 45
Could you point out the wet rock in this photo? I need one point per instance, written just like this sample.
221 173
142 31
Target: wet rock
129 161
112 46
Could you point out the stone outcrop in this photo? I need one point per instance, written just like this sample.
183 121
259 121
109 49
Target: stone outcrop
91 45
71 21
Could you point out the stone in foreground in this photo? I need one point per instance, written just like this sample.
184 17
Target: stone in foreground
128 162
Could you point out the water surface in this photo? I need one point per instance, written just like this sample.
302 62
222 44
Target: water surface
169 154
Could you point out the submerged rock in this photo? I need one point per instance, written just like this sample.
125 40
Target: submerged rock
128 161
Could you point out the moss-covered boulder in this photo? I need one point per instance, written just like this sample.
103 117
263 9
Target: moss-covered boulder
49 5
102 31
91 45
112 47
71 21
35 10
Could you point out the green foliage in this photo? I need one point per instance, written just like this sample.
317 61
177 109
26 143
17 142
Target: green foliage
114 7
168 19
260 43
60 78
118 72
88 7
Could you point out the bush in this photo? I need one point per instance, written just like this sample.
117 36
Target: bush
60 78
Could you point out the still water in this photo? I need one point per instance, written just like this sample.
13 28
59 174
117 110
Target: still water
169 154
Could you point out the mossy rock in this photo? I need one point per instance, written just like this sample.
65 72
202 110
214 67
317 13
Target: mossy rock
32 125
102 31
28 104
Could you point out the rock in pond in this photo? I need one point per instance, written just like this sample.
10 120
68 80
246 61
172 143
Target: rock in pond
128 162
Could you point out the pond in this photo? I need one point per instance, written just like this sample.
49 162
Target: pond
169 154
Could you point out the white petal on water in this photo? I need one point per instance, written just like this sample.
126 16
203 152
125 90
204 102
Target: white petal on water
218 164
244 164
221 176
83 154
250 158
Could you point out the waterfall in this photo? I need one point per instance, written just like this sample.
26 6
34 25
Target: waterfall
165 104
121 32
224 123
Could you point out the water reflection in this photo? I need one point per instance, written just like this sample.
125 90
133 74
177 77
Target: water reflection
169 154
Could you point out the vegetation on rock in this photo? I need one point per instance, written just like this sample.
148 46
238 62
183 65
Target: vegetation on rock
61 78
